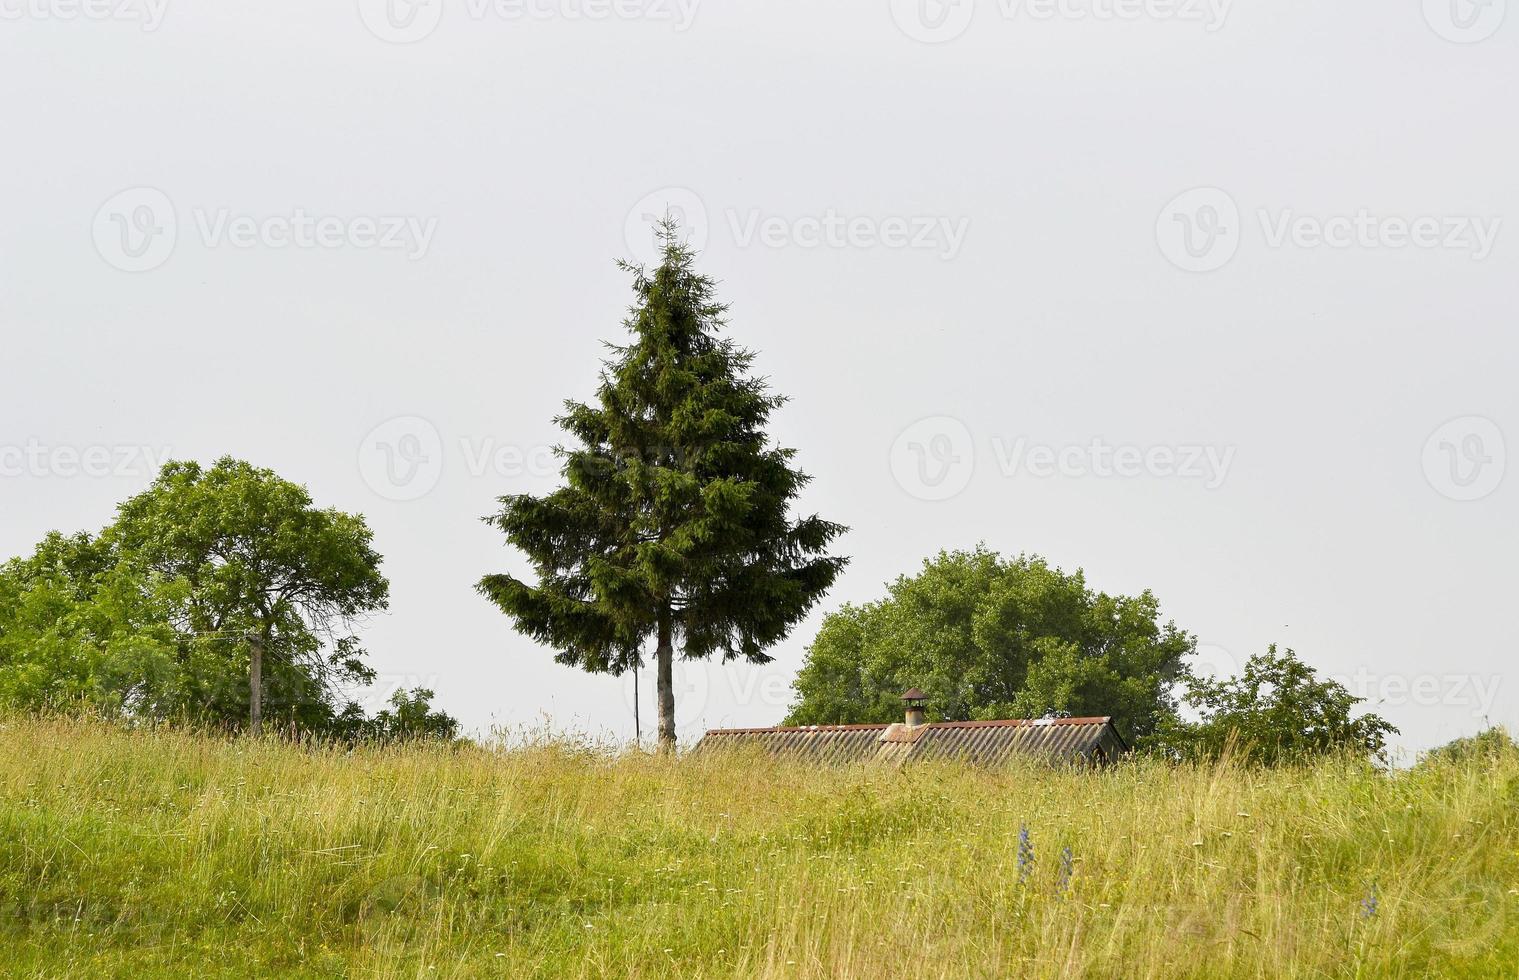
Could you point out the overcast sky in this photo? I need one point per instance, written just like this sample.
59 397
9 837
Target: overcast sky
1216 299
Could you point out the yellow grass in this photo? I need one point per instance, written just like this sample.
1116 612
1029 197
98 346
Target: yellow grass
164 853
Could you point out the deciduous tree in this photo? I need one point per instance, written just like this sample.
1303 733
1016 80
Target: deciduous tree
988 638
1276 710
265 572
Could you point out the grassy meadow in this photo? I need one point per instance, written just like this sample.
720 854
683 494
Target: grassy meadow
165 853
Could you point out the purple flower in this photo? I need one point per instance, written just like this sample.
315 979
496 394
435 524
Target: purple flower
1369 903
1067 869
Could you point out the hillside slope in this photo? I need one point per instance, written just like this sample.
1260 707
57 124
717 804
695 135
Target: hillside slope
164 853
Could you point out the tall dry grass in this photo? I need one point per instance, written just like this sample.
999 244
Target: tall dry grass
165 853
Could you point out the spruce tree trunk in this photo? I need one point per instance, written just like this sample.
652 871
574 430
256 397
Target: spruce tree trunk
666 655
255 685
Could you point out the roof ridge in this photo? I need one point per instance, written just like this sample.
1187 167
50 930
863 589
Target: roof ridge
990 723
797 728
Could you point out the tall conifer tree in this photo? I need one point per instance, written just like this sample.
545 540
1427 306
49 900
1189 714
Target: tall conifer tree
674 522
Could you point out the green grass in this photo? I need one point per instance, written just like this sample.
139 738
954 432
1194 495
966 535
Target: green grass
164 853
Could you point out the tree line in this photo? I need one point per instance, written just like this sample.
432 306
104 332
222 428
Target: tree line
987 637
224 595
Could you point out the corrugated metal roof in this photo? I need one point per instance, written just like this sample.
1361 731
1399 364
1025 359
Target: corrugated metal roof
980 742
824 743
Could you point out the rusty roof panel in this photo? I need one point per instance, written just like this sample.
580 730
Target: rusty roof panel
988 743
835 744
996 744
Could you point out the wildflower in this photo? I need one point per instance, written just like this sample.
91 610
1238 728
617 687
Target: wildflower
1369 904
1067 869
1025 854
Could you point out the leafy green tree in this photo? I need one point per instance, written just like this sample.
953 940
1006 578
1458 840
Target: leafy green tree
1277 710
410 717
987 638
207 573
674 519
274 579
78 627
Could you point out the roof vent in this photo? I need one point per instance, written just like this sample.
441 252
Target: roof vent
914 699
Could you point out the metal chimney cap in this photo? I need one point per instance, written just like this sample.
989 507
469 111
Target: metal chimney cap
913 694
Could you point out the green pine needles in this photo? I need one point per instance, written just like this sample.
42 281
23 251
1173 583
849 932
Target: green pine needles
674 521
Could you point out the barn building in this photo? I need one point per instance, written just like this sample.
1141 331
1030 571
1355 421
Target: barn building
991 743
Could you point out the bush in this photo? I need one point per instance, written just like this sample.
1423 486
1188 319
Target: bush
1276 711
